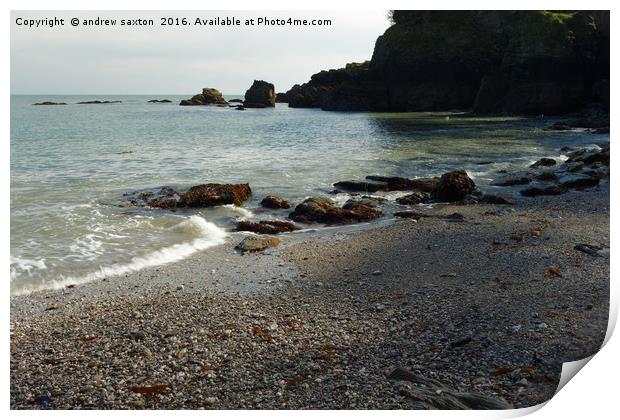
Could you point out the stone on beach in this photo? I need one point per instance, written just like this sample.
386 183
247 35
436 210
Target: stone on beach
454 186
257 243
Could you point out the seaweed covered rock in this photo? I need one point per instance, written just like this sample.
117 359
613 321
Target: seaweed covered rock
454 186
209 96
208 195
205 195
260 95
322 210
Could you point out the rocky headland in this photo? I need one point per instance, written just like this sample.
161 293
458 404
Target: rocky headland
522 62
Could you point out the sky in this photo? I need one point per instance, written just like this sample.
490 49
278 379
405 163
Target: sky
183 59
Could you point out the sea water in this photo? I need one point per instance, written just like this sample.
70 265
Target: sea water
71 165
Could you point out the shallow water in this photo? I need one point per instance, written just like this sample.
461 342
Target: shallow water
70 166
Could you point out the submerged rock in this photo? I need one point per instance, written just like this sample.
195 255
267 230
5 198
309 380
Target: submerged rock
270 227
260 95
275 202
454 186
257 243
209 96
160 101
50 103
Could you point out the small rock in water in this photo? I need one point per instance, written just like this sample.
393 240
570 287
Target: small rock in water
377 273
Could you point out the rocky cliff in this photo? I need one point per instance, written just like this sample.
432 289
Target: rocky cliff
531 62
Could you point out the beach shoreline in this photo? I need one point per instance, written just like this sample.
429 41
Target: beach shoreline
322 320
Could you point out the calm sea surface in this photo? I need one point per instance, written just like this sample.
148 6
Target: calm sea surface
70 166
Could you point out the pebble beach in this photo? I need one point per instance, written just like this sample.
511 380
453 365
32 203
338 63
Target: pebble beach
481 302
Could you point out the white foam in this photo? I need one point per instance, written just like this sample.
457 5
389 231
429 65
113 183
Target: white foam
25 264
242 211
210 236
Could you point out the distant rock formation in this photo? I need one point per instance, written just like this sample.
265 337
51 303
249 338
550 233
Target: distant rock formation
209 96
50 103
98 102
160 101
260 95
281 98
525 62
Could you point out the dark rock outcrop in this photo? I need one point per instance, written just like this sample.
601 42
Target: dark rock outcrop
529 62
362 186
260 95
269 227
209 96
397 183
453 186
50 103
275 202
281 98
543 162
160 101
